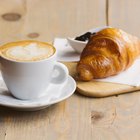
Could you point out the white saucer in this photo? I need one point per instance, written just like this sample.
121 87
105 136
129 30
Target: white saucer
55 94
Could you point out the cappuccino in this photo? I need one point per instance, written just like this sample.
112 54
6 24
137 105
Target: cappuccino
27 51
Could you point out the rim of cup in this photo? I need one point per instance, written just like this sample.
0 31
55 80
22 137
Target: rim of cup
32 41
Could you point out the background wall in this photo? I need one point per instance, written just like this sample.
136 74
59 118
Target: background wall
46 19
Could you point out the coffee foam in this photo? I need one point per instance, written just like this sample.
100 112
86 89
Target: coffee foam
29 52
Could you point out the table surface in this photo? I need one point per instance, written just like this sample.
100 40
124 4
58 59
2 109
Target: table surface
78 117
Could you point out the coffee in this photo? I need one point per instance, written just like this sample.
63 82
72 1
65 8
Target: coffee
25 76
27 51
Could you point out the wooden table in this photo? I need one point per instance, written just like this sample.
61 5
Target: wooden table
78 117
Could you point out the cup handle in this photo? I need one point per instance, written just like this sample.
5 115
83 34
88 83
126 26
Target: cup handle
61 73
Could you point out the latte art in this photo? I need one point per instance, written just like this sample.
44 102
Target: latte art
31 51
28 52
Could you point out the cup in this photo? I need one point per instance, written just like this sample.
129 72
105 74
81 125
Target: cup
30 80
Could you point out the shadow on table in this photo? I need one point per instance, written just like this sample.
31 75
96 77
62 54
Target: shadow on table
7 114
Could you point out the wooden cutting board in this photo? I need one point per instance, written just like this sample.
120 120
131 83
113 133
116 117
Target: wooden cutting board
98 89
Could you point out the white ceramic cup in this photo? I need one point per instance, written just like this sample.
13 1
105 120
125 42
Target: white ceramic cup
30 80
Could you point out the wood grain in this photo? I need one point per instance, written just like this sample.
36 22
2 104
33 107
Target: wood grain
98 89
12 16
76 118
79 117
124 14
50 19
63 18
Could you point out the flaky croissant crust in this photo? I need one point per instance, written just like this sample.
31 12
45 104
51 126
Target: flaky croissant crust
107 53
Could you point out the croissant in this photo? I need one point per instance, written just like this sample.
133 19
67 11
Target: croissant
108 52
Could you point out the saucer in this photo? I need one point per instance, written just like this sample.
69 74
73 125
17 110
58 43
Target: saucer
55 94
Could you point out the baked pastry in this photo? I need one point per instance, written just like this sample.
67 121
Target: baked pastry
108 52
